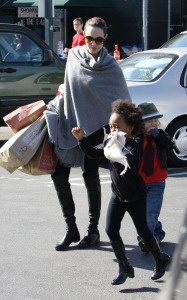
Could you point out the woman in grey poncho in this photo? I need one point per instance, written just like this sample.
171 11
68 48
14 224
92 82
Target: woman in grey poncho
93 80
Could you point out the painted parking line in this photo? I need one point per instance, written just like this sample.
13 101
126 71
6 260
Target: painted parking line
78 181
17 178
78 184
105 182
73 183
177 174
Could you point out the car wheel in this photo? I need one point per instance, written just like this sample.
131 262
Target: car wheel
178 132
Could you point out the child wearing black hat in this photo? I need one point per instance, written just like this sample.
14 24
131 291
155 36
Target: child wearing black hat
128 188
154 144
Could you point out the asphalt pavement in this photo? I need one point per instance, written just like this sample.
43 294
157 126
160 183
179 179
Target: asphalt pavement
31 223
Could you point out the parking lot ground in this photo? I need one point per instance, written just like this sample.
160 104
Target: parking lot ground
31 223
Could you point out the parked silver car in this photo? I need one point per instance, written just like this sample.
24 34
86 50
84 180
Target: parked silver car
160 76
179 40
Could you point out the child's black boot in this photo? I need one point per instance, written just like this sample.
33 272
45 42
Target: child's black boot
162 259
125 269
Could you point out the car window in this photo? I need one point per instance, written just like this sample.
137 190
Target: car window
146 67
19 48
180 40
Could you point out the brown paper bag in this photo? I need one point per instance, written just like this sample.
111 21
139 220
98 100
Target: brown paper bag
22 146
9 161
24 115
43 162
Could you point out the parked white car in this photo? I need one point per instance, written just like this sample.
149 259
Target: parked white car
160 76
179 40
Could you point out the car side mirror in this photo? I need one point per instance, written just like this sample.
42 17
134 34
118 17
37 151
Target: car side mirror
48 56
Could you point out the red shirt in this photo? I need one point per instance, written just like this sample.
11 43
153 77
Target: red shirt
78 40
159 173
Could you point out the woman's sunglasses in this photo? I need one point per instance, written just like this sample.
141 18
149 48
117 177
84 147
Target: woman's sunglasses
98 40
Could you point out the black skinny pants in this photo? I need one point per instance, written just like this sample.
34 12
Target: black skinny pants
116 212
91 166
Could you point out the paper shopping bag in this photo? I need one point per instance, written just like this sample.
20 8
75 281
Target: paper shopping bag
48 159
43 162
23 145
24 115
9 161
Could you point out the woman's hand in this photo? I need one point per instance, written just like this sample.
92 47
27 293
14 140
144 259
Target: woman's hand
66 50
78 133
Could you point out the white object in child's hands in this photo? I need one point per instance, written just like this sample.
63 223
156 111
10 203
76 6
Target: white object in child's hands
115 149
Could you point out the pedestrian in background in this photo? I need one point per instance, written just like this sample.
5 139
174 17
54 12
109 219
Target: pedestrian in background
128 188
154 144
78 38
93 80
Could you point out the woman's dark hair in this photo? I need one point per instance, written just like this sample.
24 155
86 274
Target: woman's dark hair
132 114
96 22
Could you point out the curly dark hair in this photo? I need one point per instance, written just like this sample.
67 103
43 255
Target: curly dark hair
132 114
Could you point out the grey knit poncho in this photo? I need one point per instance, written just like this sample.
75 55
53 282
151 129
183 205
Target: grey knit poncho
90 87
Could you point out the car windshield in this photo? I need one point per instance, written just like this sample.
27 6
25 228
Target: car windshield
180 40
18 47
146 67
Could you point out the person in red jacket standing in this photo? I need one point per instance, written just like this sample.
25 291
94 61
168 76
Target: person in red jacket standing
78 38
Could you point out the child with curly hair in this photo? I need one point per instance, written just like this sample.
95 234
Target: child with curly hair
128 188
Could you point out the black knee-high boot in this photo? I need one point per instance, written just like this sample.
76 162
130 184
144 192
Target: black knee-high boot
125 269
62 187
162 259
93 187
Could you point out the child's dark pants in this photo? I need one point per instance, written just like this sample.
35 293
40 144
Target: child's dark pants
116 212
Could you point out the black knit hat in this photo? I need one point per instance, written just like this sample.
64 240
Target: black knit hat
149 111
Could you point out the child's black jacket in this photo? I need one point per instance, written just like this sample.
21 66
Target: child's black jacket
130 186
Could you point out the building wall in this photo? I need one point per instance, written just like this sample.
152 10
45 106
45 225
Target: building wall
178 16
124 19
157 23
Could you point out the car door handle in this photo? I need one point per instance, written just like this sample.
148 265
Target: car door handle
7 70
46 89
